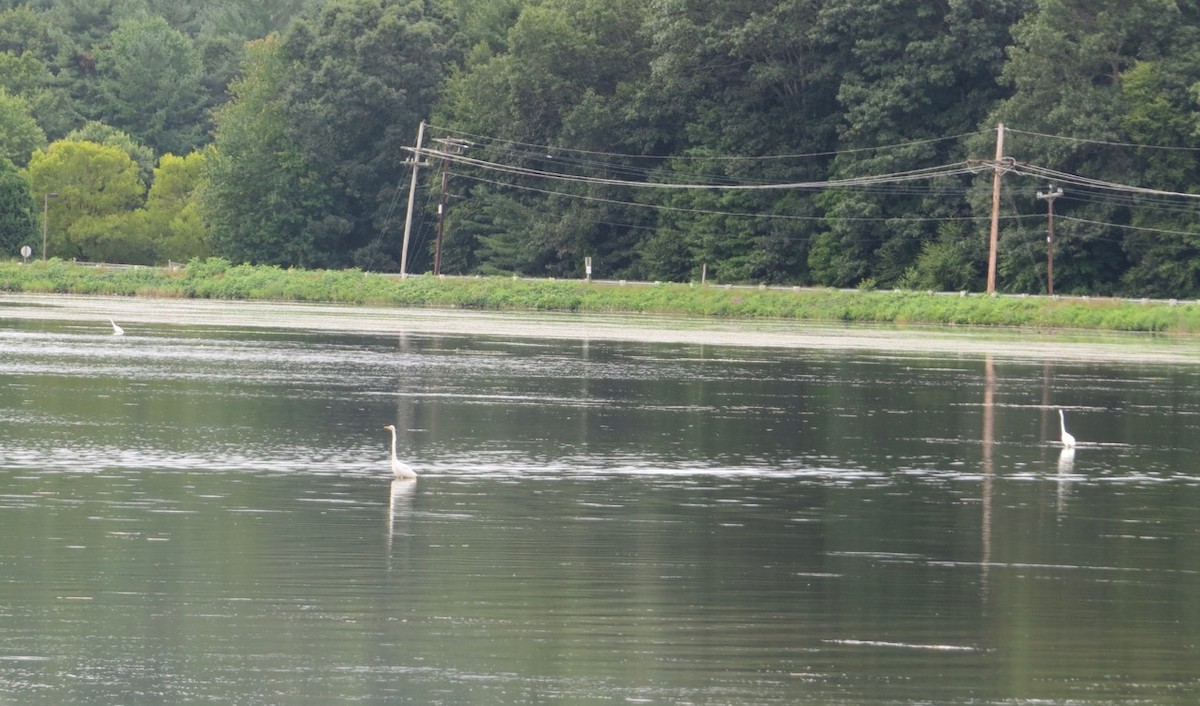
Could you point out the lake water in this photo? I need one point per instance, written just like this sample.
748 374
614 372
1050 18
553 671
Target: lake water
201 513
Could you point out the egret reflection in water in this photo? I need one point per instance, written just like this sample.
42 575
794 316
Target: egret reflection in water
1066 467
1068 441
399 498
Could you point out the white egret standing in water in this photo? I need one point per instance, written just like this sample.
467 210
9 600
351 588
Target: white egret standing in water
400 468
117 330
1068 441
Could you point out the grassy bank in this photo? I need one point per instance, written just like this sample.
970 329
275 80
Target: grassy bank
216 279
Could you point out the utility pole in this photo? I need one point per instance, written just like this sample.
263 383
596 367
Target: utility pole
46 219
1048 197
995 231
412 193
451 146
441 223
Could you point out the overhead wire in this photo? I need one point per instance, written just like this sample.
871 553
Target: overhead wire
561 162
1109 143
896 177
1142 229
1073 179
544 149
715 212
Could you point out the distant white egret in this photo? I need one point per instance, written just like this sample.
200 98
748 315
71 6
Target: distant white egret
117 330
1068 441
400 468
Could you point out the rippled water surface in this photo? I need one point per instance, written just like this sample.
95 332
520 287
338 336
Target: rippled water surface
198 514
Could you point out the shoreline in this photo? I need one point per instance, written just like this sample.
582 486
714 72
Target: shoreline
1015 344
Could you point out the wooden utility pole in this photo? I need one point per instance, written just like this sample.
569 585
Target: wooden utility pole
412 192
441 222
452 146
995 231
1049 196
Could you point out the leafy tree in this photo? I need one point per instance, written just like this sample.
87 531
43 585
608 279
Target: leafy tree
910 75
238 19
951 263
21 74
172 208
18 215
259 191
102 134
362 74
95 185
747 83
562 78
76 29
19 132
23 30
1069 68
150 85
167 227
485 25
1164 246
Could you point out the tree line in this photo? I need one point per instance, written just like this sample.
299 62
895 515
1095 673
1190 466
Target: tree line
280 132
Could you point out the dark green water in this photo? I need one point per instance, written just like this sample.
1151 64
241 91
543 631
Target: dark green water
206 515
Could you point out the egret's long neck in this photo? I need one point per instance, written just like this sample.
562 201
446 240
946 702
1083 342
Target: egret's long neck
1062 420
393 444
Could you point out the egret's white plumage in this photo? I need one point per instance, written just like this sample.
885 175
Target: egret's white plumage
1068 441
117 330
400 468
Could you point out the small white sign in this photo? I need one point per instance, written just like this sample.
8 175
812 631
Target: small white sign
26 251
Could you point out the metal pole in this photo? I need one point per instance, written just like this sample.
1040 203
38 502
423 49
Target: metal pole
412 193
46 219
1049 197
995 231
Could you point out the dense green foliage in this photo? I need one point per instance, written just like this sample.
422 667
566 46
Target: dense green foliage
577 123
215 278
18 224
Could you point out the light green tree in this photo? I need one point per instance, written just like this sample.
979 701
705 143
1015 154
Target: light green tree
172 208
95 185
102 134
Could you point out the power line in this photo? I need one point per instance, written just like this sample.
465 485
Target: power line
547 149
1109 143
734 214
1141 229
912 175
557 161
1025 169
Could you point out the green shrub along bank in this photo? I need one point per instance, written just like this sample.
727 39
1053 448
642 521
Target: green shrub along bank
218 279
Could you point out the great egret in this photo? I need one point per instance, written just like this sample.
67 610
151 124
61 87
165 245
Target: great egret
117 330
400 468
1068 441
